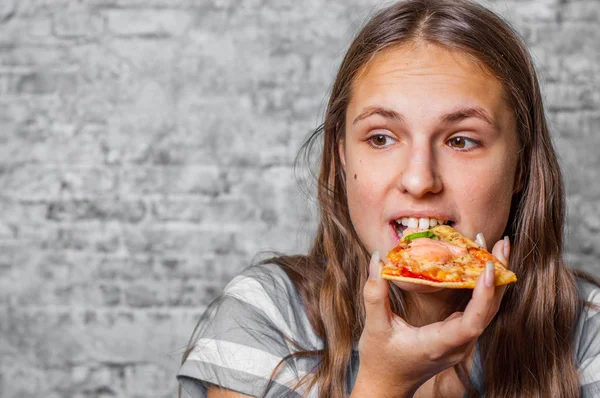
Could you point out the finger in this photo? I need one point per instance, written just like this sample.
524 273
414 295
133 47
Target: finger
501 250
480 239
506 250
480 309
375 295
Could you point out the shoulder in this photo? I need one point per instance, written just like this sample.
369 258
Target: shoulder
588 321
267 289
252 327
587 336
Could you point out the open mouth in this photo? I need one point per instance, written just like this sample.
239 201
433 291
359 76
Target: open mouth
419 224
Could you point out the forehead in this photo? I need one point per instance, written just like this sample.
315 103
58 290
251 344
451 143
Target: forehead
427 74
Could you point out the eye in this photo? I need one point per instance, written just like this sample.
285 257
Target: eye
381 141
462 143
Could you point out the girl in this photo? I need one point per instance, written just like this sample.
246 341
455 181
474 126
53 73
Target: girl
435 116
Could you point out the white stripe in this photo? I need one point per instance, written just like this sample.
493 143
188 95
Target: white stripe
593 297
590 370
240 287
242 358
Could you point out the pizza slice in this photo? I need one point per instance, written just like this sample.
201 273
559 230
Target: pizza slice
441 257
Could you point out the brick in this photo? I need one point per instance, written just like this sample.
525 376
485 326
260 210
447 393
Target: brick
108 209
24 212
180 293
117 336
586 212
41 141
578 125
222 211
548 65
561 96
92 236
50 339
537 10
582 68
126 22
173 180
40 27
144 380
109 79
122 267
22 379
586 263
85 294
177 238
78 24
219 268
79 381
30 182
153 58
134 129
45 82
149 293
8 9
580 170
588 11
31 55
155 4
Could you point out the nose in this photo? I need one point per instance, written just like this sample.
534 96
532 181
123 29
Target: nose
420 175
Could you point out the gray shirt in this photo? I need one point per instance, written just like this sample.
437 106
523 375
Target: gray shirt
259 320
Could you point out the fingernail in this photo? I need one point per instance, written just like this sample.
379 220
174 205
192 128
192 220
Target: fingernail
375 266
506 248
489 274
481 240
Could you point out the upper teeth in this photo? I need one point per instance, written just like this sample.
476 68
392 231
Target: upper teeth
421 223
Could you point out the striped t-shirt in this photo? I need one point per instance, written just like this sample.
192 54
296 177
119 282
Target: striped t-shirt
259 320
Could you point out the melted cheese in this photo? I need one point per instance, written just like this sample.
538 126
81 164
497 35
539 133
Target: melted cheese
434 250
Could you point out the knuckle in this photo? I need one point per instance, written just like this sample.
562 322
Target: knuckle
370 295
473 332
434 354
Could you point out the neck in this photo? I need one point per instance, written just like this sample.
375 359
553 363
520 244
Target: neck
426 308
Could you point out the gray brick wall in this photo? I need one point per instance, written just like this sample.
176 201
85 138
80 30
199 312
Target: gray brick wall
146 151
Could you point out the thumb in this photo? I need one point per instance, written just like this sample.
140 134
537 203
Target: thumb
375 294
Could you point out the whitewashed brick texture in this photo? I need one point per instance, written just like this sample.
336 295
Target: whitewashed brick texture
146 156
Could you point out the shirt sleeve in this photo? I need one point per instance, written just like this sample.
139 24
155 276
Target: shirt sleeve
248 332
588 346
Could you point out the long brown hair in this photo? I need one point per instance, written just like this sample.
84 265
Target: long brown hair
527 351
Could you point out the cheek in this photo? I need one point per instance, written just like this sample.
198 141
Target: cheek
487 198
365 196
361 190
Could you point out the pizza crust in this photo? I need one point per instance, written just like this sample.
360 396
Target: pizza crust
417 281
500 279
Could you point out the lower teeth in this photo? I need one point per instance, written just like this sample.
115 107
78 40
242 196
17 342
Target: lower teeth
400 229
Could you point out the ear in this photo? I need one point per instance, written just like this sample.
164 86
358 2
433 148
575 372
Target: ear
342 152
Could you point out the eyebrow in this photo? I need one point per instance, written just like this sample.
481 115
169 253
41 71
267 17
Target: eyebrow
452 117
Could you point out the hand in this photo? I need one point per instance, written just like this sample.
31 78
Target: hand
397 358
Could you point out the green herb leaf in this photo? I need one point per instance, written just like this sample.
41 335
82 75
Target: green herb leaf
422 234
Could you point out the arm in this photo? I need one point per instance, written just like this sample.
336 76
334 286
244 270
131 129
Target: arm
215 392
241 338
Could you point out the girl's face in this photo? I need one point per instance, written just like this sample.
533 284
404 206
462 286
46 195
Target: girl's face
428 136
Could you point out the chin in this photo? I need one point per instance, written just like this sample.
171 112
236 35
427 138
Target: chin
416 288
